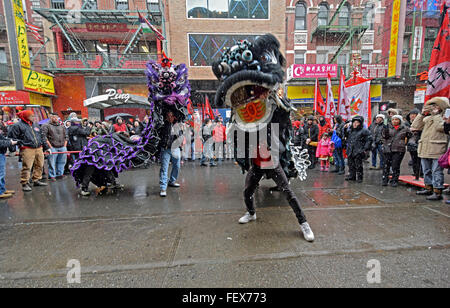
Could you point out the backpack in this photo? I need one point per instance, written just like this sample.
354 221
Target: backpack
336 140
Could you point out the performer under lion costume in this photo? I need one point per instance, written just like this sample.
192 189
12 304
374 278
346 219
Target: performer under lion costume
251 77
104 157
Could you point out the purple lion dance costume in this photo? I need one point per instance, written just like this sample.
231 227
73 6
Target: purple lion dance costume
104 157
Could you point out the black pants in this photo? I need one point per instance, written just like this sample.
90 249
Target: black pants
355 166
255 174
416 164
394 160
312 155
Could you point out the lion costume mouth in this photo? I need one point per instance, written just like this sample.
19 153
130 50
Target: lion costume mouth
251 102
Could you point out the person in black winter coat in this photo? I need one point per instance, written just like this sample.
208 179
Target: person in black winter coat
299 137
413 144
359 142
394 136
312 136
376 128
77 137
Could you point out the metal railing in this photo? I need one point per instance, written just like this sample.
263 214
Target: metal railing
353 23
94 61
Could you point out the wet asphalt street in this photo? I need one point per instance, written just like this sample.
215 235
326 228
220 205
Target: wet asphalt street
192 238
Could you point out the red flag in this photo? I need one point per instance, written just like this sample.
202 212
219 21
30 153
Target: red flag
343 105
319 104
208 108
439 70
330 110
190 109
35 32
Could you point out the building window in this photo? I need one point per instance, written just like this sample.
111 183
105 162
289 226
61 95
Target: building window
153 5
321 58
245 9
344 16
366 58
323 14
204 49
300 16
343 61
368 15
90 4
2 55
299 57
122 5
58 4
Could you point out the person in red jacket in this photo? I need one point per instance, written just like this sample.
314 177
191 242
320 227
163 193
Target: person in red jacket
219 137
120 126
324 126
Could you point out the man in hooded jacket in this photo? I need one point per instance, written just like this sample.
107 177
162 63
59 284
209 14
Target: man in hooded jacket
359 141
28 135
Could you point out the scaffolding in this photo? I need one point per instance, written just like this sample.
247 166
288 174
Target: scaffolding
342 34
82 59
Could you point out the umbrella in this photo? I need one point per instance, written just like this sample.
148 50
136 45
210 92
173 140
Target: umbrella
124 116
44 121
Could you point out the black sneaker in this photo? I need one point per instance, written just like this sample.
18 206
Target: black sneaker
26 187
39 183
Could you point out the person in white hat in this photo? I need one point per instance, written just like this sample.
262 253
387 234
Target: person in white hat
394 148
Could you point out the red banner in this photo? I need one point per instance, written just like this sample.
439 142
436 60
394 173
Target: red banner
14 98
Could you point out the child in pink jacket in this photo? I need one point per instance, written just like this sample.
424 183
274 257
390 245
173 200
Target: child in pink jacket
325 148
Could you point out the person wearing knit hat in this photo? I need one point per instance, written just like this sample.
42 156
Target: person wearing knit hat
28 135
376 129
394 148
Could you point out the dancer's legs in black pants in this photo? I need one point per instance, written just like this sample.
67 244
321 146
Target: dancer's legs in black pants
251 182
88 172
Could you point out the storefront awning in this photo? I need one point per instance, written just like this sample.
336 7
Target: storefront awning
106 101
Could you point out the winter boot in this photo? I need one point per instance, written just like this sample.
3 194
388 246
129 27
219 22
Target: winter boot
350 178
427 191
341 171
385 181
437 195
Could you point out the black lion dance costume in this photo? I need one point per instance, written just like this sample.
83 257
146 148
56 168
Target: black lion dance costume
104 157
251 78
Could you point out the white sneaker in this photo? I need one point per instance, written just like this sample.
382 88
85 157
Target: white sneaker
162 193
247 218
307 232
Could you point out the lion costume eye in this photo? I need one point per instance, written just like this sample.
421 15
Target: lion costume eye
247 56
269 58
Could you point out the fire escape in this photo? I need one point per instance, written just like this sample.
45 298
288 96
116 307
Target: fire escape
346 32
80 59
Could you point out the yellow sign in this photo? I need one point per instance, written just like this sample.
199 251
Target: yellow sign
37 82
38 99
394 38
306 93
21 31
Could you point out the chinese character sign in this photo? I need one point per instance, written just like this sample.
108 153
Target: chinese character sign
314 70
21 32
394 38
